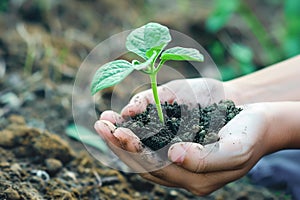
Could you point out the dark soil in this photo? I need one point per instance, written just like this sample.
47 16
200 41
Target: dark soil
200 125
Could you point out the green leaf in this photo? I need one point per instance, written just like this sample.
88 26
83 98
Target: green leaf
154 50
149 38
180 53
110 74
143 66
86 136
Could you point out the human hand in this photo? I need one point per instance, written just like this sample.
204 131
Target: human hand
191 92
128 147
256 131
199 169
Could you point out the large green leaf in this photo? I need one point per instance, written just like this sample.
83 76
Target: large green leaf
181 53
149 38
110 74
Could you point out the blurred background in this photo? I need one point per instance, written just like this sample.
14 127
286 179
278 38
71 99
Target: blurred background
43 43
241 36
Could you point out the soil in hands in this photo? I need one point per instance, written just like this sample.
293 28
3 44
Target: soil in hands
200 125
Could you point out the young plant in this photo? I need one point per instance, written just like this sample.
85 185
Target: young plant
148 42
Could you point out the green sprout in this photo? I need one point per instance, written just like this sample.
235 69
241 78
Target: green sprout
148 42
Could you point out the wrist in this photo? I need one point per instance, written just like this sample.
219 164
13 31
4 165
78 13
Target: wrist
279 82
246 91
283 125
237 92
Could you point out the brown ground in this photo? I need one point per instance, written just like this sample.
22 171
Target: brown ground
41 47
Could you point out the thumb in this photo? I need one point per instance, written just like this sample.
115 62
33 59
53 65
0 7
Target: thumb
212 157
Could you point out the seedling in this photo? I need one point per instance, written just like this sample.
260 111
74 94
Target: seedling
148 42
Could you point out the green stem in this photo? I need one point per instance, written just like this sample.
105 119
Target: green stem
156 98
160 64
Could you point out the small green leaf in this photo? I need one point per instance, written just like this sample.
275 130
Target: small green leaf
153 50
144 40
86 136
180 53
110 74
143 66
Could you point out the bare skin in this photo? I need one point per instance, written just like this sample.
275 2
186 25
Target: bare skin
261 128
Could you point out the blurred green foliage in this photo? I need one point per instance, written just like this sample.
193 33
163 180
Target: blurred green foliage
278 40
292 23
3 5
241 36
221 14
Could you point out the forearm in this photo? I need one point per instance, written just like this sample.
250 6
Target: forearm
284 125
279 82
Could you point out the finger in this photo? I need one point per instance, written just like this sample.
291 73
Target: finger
196 158
128 140
139 102
111 116
150 160
105 129
127 146
227 154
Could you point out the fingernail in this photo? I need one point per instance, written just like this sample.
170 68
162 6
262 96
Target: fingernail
104 127
98 125
128 110
131 109
177 153
128 140
125 132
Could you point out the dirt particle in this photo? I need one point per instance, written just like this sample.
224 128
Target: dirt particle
49 145
137 194
16 167
53 165
173 193
4 164
12 194
16 119
7 138
62 194
43 175
199 147
124 143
